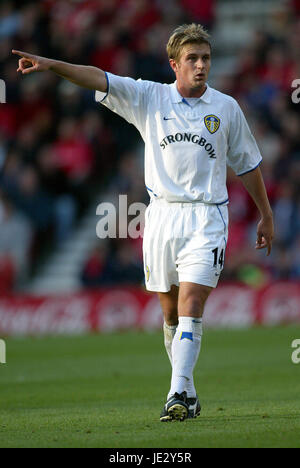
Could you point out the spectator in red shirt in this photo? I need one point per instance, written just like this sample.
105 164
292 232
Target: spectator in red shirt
74 155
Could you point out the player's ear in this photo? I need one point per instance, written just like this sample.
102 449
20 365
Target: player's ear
173 65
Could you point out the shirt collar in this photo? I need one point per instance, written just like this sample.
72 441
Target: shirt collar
177 98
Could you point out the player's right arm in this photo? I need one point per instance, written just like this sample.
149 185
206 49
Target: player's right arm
81 75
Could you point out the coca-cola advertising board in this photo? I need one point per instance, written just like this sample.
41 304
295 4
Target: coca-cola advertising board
107 310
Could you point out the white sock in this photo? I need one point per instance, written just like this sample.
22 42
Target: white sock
190 388
169 333
185 351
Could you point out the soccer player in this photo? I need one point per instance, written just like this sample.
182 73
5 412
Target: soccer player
191 132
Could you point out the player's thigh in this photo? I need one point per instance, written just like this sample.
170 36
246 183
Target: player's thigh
201 258
158 250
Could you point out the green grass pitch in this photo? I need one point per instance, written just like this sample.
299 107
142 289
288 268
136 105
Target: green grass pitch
108 390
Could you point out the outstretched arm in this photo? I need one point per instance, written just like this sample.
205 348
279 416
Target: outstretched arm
85 76
254 184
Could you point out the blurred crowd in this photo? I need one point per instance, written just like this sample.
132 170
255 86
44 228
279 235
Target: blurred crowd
59 149
262 84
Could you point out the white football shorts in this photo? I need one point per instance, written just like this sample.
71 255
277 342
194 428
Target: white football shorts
184 242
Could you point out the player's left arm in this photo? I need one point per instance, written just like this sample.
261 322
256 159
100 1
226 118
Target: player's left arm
255 186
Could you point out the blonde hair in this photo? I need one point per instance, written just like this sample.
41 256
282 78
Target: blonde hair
186 34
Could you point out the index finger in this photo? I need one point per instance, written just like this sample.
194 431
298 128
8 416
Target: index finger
269 247
21 54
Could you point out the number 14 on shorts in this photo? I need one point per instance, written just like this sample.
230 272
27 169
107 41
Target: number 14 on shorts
218 259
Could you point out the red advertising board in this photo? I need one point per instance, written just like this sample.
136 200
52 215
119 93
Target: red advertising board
230 305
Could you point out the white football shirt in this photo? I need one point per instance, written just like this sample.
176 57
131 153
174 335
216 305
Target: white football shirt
187 147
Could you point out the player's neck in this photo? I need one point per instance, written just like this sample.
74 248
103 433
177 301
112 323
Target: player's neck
191 92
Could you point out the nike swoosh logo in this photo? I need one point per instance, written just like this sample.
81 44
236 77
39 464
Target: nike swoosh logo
169 118
193 407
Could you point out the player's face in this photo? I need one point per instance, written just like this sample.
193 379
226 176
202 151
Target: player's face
192 68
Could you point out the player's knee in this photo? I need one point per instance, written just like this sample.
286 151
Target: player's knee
171 315
191 306
192 303
169 305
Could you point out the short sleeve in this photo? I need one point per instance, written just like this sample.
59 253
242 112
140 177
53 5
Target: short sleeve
126 97
243 154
